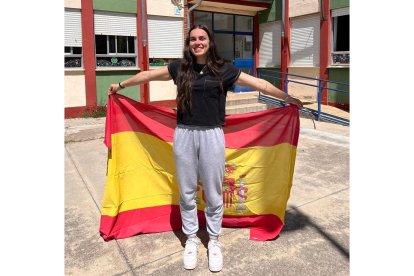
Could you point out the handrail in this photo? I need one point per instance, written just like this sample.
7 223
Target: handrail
318 114
343 91
343 83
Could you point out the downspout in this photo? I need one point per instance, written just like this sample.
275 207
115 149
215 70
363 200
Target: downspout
142 32
323 17
284 47
283 19
144 23
190 9
325 49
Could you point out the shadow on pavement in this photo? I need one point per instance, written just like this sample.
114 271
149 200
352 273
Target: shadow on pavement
296 220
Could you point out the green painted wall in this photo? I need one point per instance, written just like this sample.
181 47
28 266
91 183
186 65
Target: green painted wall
336 4
128 6
105 78
274 13
272 79
340 75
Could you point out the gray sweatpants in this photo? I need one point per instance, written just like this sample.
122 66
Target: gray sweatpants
199 151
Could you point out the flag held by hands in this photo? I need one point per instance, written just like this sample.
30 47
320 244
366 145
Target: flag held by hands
141 193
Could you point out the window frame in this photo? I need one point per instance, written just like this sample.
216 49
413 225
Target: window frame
72 55
116 54
341 54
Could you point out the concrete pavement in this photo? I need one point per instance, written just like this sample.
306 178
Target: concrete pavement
314 241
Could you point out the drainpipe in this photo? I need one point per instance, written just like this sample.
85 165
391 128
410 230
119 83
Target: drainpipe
285 37
142 40
283 18
325 49
190 9
322 7
144 23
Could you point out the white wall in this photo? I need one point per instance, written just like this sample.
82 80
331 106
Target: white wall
75 94
75 4
162 90
304 92
303 7
163 8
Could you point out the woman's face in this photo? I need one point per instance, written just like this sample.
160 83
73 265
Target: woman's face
199 43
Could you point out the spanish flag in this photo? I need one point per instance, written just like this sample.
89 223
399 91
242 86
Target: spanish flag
141 193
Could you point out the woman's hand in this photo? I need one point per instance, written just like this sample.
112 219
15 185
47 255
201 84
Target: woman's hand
294 101
113 88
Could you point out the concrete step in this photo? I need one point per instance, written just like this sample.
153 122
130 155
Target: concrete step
241 98
244 102
245 108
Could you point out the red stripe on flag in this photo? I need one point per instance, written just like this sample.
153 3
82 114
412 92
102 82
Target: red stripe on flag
167 218
125 114
263 128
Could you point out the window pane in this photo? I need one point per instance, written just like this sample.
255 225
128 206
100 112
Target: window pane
115 62
244 23
122 44
67 50
225 45
203 18
131 44
73 62
100 42
77 50
243 45
223 22
342 36
111 39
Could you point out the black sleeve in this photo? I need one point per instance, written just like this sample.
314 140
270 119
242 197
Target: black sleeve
230 75
173 68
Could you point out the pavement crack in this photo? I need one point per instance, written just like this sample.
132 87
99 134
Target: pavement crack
124 256
83 179
312 201
309 221
83 140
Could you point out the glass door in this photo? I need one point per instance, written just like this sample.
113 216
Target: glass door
224 44
243 46
234 39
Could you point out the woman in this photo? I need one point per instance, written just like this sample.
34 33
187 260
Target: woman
202 79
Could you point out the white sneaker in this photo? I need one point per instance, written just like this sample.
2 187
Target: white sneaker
215 258
190 253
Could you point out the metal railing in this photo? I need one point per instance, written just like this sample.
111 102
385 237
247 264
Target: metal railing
318 114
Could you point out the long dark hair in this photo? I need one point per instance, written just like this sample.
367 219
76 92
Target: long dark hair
186 76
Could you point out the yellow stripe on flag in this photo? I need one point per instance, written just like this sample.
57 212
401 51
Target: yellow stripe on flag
141 173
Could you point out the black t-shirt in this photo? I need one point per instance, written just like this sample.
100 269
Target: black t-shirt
208 103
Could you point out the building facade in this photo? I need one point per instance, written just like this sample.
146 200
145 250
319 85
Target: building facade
107 41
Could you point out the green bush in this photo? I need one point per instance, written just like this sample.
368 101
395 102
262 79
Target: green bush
94 112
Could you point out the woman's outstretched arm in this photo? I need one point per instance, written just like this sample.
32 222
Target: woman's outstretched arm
267 88
160 74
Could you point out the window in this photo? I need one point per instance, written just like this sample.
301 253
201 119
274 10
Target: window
73 39
165 39
205 18
115 50
269 44
160 61
244 23
305 41
223 22
73 57
340 37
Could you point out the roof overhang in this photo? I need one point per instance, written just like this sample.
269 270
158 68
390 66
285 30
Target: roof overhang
244 7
